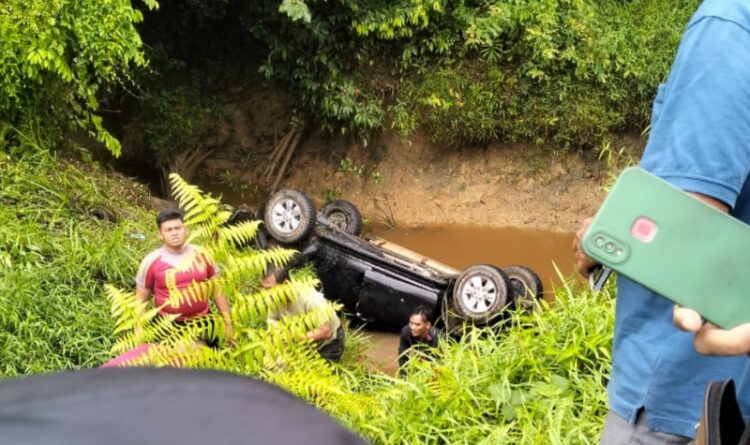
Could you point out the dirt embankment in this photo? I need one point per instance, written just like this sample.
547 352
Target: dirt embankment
397 182
412 183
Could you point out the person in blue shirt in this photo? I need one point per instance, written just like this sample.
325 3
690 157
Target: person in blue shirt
700 142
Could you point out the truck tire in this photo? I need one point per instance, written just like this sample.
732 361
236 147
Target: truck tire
526 284
344 215
289 216
481 292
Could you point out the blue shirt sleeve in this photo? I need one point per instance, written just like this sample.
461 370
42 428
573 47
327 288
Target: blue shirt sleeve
700 127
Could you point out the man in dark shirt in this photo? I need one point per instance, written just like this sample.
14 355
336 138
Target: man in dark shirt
419 336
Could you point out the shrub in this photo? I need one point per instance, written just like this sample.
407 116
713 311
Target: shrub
58 57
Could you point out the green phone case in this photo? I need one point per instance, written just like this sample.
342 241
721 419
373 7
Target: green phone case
675 245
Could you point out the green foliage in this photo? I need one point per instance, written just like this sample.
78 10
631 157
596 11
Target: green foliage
348 167
557 70
331 195
540 381
562 71
614 160
246 190
377 177
57 57
67 228
569 72
295 9
330 53
175 116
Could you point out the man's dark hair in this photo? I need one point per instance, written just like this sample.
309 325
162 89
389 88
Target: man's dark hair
281 274
169 215
423 311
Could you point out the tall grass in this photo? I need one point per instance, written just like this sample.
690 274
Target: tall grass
542 380
65 230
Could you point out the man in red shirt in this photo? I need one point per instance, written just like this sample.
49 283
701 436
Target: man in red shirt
174 267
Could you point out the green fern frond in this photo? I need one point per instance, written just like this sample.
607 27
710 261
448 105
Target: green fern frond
160 327
240 234
271 348
211 215
208 327
187 355
197 291
299 324
202 212
126 343
278 352
163 355
124 308
242 271
252 349
227 241
197 260
153 330
318 383
283 339
256 306
208 358
255 263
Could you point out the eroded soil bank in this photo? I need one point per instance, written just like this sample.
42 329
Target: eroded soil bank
416 183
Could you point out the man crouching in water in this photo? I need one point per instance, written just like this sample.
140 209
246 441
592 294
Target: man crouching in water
417 336
329 337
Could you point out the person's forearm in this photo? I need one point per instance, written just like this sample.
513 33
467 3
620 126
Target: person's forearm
223 305
142 295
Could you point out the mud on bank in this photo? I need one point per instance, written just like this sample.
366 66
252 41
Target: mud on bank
414 183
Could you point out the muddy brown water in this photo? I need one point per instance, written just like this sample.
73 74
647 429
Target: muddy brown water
462 246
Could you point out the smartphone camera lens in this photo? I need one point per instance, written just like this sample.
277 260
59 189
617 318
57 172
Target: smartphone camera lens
609 247
599 241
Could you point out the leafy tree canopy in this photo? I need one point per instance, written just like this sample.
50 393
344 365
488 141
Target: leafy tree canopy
566 71
58 56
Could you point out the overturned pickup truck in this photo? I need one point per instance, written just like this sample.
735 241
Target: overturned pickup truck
380 282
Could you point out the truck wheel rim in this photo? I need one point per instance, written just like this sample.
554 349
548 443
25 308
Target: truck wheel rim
479 294
339 220
287 216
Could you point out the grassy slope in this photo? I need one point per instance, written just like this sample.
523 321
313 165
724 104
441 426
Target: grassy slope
66 230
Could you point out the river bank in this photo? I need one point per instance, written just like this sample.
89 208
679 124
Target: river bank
416 183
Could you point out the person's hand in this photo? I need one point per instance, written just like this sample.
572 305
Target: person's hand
710 339
583 262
